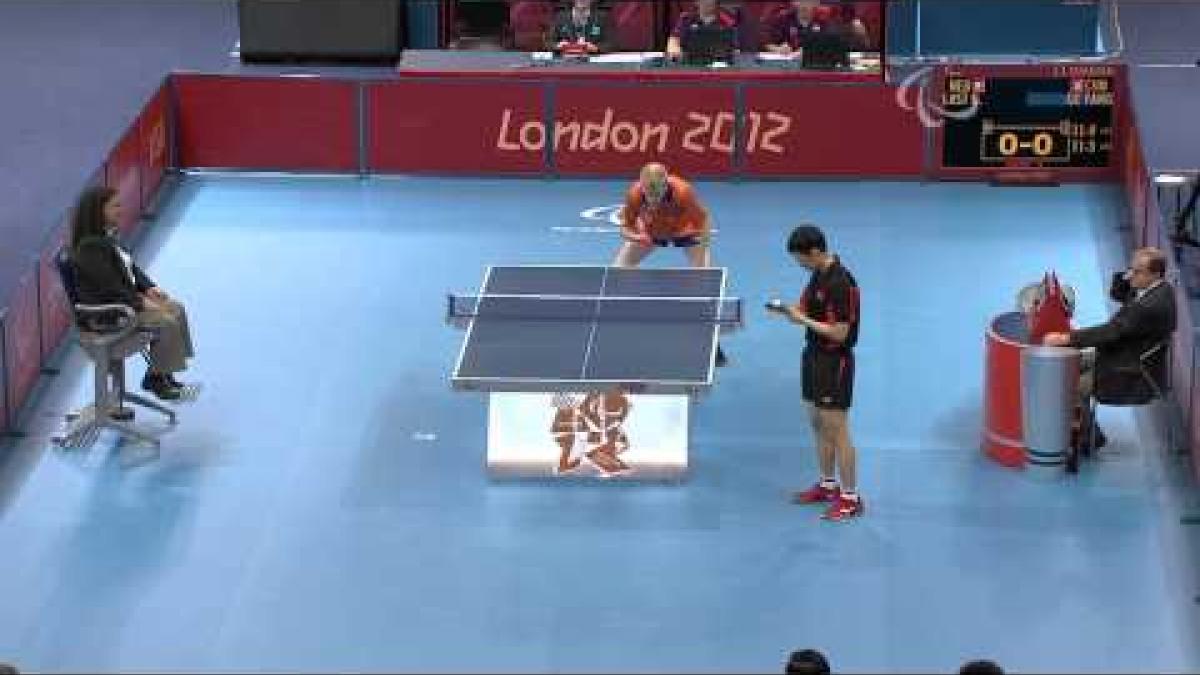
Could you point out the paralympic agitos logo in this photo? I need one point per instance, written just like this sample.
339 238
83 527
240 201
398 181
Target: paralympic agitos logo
931 113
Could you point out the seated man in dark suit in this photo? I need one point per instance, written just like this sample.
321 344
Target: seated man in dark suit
696 30
580 29
1127 368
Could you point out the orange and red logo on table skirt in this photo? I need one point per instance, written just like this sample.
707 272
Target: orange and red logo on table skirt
590 428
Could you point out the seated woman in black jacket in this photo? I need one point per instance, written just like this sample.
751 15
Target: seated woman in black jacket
106 274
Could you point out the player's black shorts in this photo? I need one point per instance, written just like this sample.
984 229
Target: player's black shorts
680 242
828 378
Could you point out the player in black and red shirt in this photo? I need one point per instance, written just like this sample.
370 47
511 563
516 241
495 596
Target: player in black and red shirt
829 310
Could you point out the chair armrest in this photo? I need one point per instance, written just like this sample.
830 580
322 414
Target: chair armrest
1144 366
1145 356
106 319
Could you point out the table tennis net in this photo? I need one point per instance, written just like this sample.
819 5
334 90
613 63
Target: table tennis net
595 308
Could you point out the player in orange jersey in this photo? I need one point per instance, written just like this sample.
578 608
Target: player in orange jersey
663 210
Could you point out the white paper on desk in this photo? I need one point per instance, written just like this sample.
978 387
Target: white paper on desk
772 56
623 57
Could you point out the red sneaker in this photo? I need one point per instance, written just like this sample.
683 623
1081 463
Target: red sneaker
844 509
817 494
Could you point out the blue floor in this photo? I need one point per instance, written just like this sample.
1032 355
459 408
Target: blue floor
324 507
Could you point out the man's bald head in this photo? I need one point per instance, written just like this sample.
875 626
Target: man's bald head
654 172
654 181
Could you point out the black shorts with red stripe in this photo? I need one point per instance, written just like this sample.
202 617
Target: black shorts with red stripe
828 378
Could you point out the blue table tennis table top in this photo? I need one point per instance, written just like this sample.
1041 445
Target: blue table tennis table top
622 327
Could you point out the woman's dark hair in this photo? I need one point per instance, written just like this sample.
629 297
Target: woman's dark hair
88 218
807 662
805 239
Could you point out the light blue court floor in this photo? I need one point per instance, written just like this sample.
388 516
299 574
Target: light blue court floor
324 505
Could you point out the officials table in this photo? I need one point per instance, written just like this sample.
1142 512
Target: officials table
862 66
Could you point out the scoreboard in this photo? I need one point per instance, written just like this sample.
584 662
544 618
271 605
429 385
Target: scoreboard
1046 117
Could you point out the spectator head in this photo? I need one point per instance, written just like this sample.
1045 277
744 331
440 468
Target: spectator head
706 7
6 669
980 667
807 662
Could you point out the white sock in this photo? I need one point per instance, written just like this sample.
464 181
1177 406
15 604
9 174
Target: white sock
828 483
852 495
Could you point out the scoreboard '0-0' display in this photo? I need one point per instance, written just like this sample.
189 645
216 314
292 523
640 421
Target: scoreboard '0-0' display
1046 117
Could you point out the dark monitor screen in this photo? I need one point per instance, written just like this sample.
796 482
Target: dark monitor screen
321 29
709 44
826 49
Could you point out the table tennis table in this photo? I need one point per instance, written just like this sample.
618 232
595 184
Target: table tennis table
634 347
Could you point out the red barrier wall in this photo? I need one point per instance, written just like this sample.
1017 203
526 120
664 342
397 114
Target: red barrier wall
616 129
154 134
454 126
267 123
831 130
123 173
1136 181
5 422
610 127
55 309
21 340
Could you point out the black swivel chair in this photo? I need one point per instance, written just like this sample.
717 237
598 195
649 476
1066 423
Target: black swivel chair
108 334
1153 368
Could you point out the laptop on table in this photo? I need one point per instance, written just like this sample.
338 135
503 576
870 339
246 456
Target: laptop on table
709 45
825 49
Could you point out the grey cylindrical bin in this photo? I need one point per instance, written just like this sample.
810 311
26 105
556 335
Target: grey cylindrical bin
1049 392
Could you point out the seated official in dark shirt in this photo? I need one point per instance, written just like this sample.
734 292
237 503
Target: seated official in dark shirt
686 35
580 29
792 27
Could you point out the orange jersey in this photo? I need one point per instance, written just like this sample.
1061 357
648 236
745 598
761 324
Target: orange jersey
679 214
